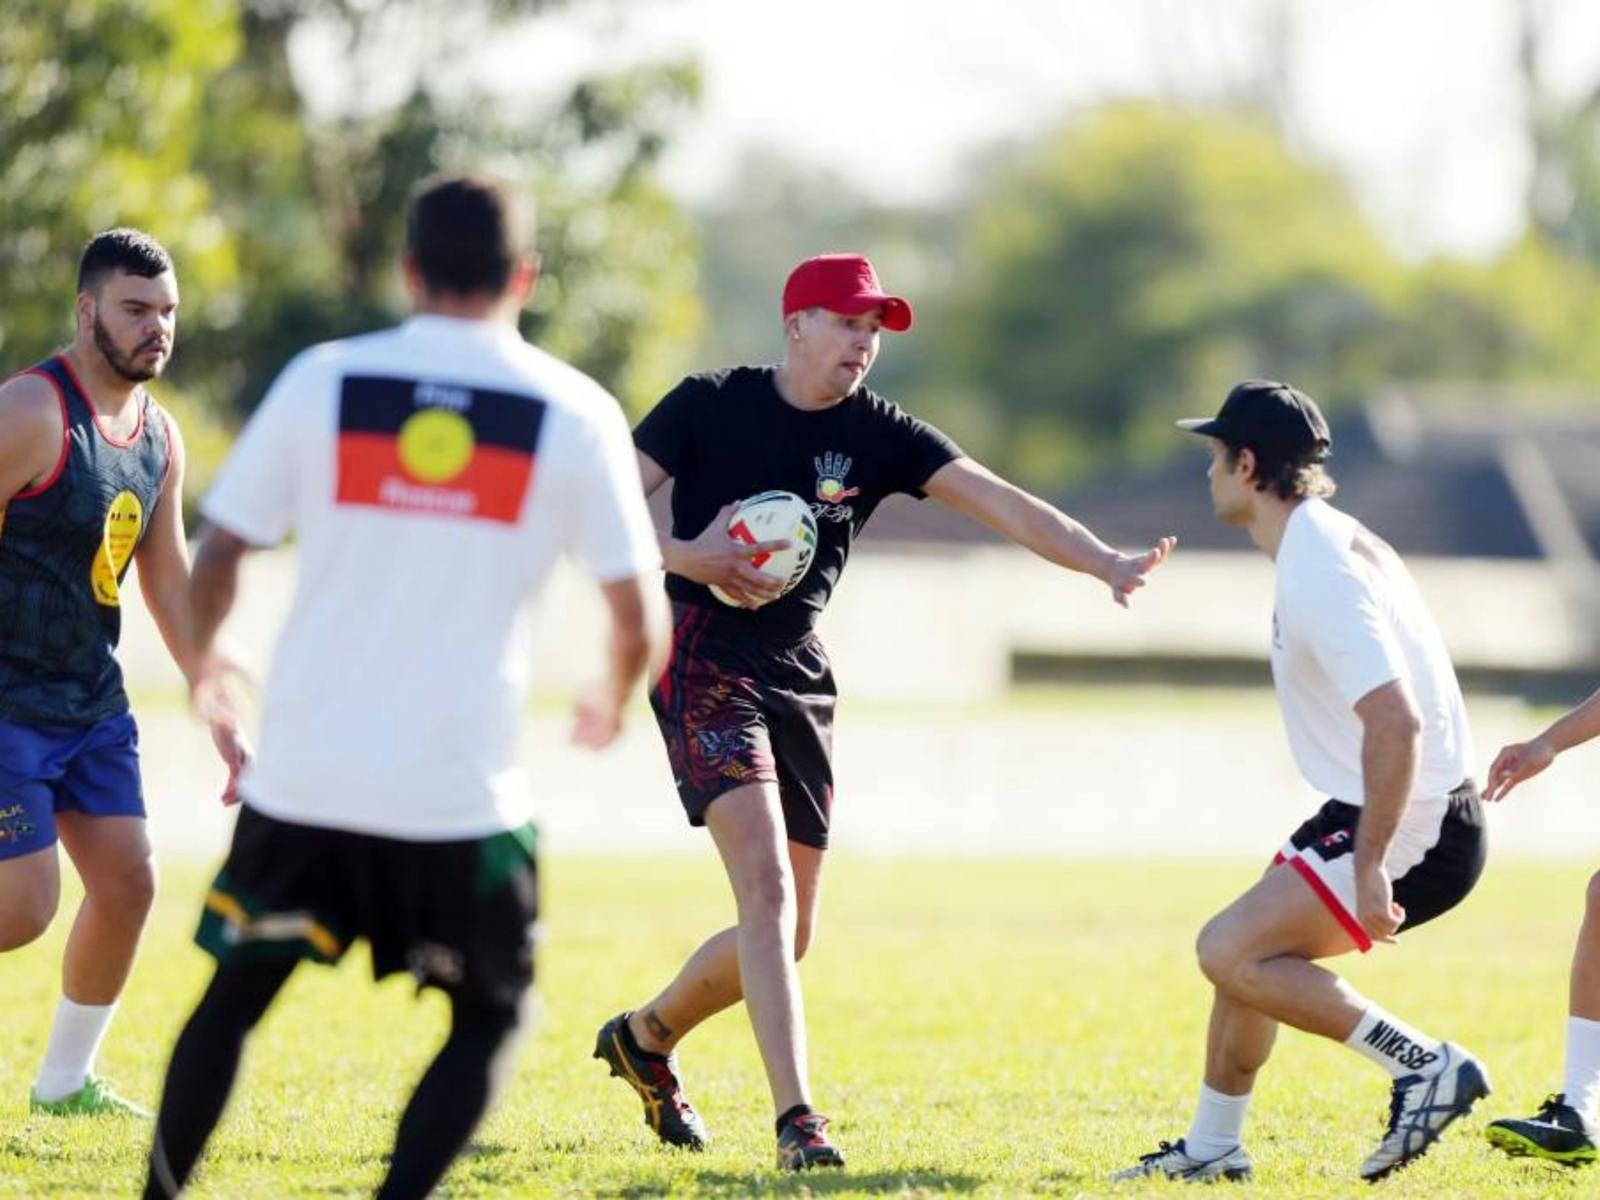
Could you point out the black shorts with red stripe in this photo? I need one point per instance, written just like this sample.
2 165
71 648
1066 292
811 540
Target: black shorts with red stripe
1434 860
736 709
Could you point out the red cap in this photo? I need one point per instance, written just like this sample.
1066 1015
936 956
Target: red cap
843 283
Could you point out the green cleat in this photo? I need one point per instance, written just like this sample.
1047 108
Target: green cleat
94 1099
1556 1133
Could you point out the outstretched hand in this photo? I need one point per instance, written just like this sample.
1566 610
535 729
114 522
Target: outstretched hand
1522 760
1129 572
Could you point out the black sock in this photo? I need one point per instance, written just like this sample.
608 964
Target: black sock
789 1114
633 1043
204 1063
452 1097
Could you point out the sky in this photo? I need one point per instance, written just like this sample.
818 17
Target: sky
1415 102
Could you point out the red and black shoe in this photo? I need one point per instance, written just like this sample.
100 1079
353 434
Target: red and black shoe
655 1078
803 1143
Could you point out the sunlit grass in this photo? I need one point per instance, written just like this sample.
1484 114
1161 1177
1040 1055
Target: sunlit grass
1004 1028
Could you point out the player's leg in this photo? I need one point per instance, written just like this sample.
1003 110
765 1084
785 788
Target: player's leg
640 1045
1241 1033
475 906
747 826
709 980
1563 1130
113 858
30 875
30 892
204 1063
1259 952
282 895
1239 1041
709 711
100 819
749 831
455 1092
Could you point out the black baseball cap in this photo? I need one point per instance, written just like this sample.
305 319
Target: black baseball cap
1271 418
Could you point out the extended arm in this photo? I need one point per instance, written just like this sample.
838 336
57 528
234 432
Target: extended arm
166 583
1523 760
1390 752
163 561
1020 517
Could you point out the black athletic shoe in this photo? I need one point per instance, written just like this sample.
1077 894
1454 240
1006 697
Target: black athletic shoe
655 1078
1422 1107
803 1143
1557 1134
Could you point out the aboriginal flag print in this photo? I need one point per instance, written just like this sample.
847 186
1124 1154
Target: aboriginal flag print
444 450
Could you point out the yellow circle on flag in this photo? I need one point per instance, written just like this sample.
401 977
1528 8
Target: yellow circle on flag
436 445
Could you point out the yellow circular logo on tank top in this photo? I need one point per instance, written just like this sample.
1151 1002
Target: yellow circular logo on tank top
124 521
435 445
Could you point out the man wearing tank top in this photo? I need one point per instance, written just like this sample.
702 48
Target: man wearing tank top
1376 722
91 481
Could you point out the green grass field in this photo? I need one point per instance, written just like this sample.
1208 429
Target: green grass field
996 1028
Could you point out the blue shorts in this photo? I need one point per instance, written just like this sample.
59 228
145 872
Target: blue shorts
46 769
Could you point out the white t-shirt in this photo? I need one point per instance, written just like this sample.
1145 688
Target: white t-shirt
432 474
1348 619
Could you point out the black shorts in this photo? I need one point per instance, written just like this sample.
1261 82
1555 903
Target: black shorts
735 710
457 915
1435 859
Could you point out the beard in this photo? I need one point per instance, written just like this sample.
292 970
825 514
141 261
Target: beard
127 364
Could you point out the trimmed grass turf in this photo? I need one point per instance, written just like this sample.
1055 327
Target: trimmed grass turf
996 1028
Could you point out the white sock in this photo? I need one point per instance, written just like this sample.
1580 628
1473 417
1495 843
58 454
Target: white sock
74 1041
1582 1083
1393 1045
1218 1122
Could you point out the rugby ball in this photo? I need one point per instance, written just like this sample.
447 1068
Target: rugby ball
774 517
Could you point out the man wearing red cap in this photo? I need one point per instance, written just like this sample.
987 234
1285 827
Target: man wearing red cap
746 705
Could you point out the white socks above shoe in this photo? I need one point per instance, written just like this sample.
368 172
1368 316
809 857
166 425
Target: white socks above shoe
74 1041
1217 1125
1394 1045
1582 1083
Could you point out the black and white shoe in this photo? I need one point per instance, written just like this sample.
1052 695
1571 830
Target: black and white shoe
1423 1106
1171 1160
1556 1133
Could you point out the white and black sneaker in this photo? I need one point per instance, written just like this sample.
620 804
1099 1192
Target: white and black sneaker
1422 1107
1172 1161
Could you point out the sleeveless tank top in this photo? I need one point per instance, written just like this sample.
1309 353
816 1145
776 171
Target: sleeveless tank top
65 547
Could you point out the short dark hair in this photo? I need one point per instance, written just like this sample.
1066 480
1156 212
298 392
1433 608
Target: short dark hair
466 234
131 251
1289 477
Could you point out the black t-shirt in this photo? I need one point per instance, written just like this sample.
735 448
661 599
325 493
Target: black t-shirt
726 435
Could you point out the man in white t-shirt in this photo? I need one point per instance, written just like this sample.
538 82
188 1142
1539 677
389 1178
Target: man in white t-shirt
432 474
1375 720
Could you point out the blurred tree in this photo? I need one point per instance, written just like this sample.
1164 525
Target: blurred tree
101 106
285 211
1129 268
1563 198
320 195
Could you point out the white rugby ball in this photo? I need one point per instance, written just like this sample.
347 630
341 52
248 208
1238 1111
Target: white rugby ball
775 517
